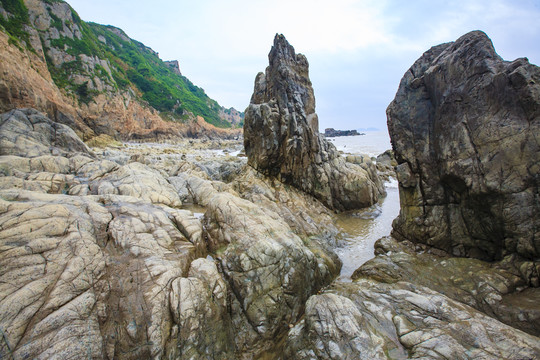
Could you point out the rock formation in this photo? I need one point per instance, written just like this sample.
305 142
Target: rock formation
98 260
67 70
331 132
29 133
368 319
282 140
174 66
496 289
465 129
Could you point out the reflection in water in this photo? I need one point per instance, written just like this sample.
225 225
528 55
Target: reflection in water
360 230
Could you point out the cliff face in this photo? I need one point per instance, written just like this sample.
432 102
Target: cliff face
281 136
233 116
93 77
465 129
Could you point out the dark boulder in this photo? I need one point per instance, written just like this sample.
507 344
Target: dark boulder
465 128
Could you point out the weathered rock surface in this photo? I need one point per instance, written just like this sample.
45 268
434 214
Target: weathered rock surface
496 289
270 271
51 266
307 216
465 128
98 260
373 320
29 133
140 181
386 163
282 140
98 269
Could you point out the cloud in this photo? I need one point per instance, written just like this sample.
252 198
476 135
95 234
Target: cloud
422 24
358 49
312 25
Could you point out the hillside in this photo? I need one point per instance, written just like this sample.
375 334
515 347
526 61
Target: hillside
108 82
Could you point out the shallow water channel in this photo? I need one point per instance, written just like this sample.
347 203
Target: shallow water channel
360 230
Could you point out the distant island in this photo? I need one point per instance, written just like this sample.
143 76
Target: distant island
330 132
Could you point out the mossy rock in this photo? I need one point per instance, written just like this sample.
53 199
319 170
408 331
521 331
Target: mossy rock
102 141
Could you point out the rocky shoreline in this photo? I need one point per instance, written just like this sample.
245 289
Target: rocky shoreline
101 257
330 132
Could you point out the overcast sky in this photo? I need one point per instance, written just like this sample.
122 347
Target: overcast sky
358 50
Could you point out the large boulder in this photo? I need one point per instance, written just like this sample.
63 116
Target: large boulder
29 133
282 140
465 128
270 270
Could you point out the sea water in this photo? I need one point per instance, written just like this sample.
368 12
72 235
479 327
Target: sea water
360 229
373 143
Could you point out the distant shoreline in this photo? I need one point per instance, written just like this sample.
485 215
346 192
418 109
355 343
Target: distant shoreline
331 132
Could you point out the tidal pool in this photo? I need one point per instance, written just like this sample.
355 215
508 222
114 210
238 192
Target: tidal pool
360 230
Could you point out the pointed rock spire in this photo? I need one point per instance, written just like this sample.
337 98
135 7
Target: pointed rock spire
282 140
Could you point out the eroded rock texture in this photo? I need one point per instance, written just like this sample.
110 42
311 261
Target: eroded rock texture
282 140
496 289
465 128
98 260
29 133
374 320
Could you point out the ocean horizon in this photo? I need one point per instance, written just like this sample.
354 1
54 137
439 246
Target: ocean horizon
371 143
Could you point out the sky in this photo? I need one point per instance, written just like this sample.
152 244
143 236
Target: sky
358 50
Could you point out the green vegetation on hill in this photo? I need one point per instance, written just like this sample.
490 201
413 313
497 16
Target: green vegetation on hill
161 87
130 65
17 18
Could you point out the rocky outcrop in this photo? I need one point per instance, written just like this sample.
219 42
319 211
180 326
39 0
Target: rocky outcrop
386 163
373 320
465 129
29 133
331 132
282 140
98 259
496 289
233 116
174 66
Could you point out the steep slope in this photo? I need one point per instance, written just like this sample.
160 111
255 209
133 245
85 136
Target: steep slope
94 77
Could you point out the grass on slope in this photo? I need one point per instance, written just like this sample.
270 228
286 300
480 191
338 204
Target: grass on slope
132 64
